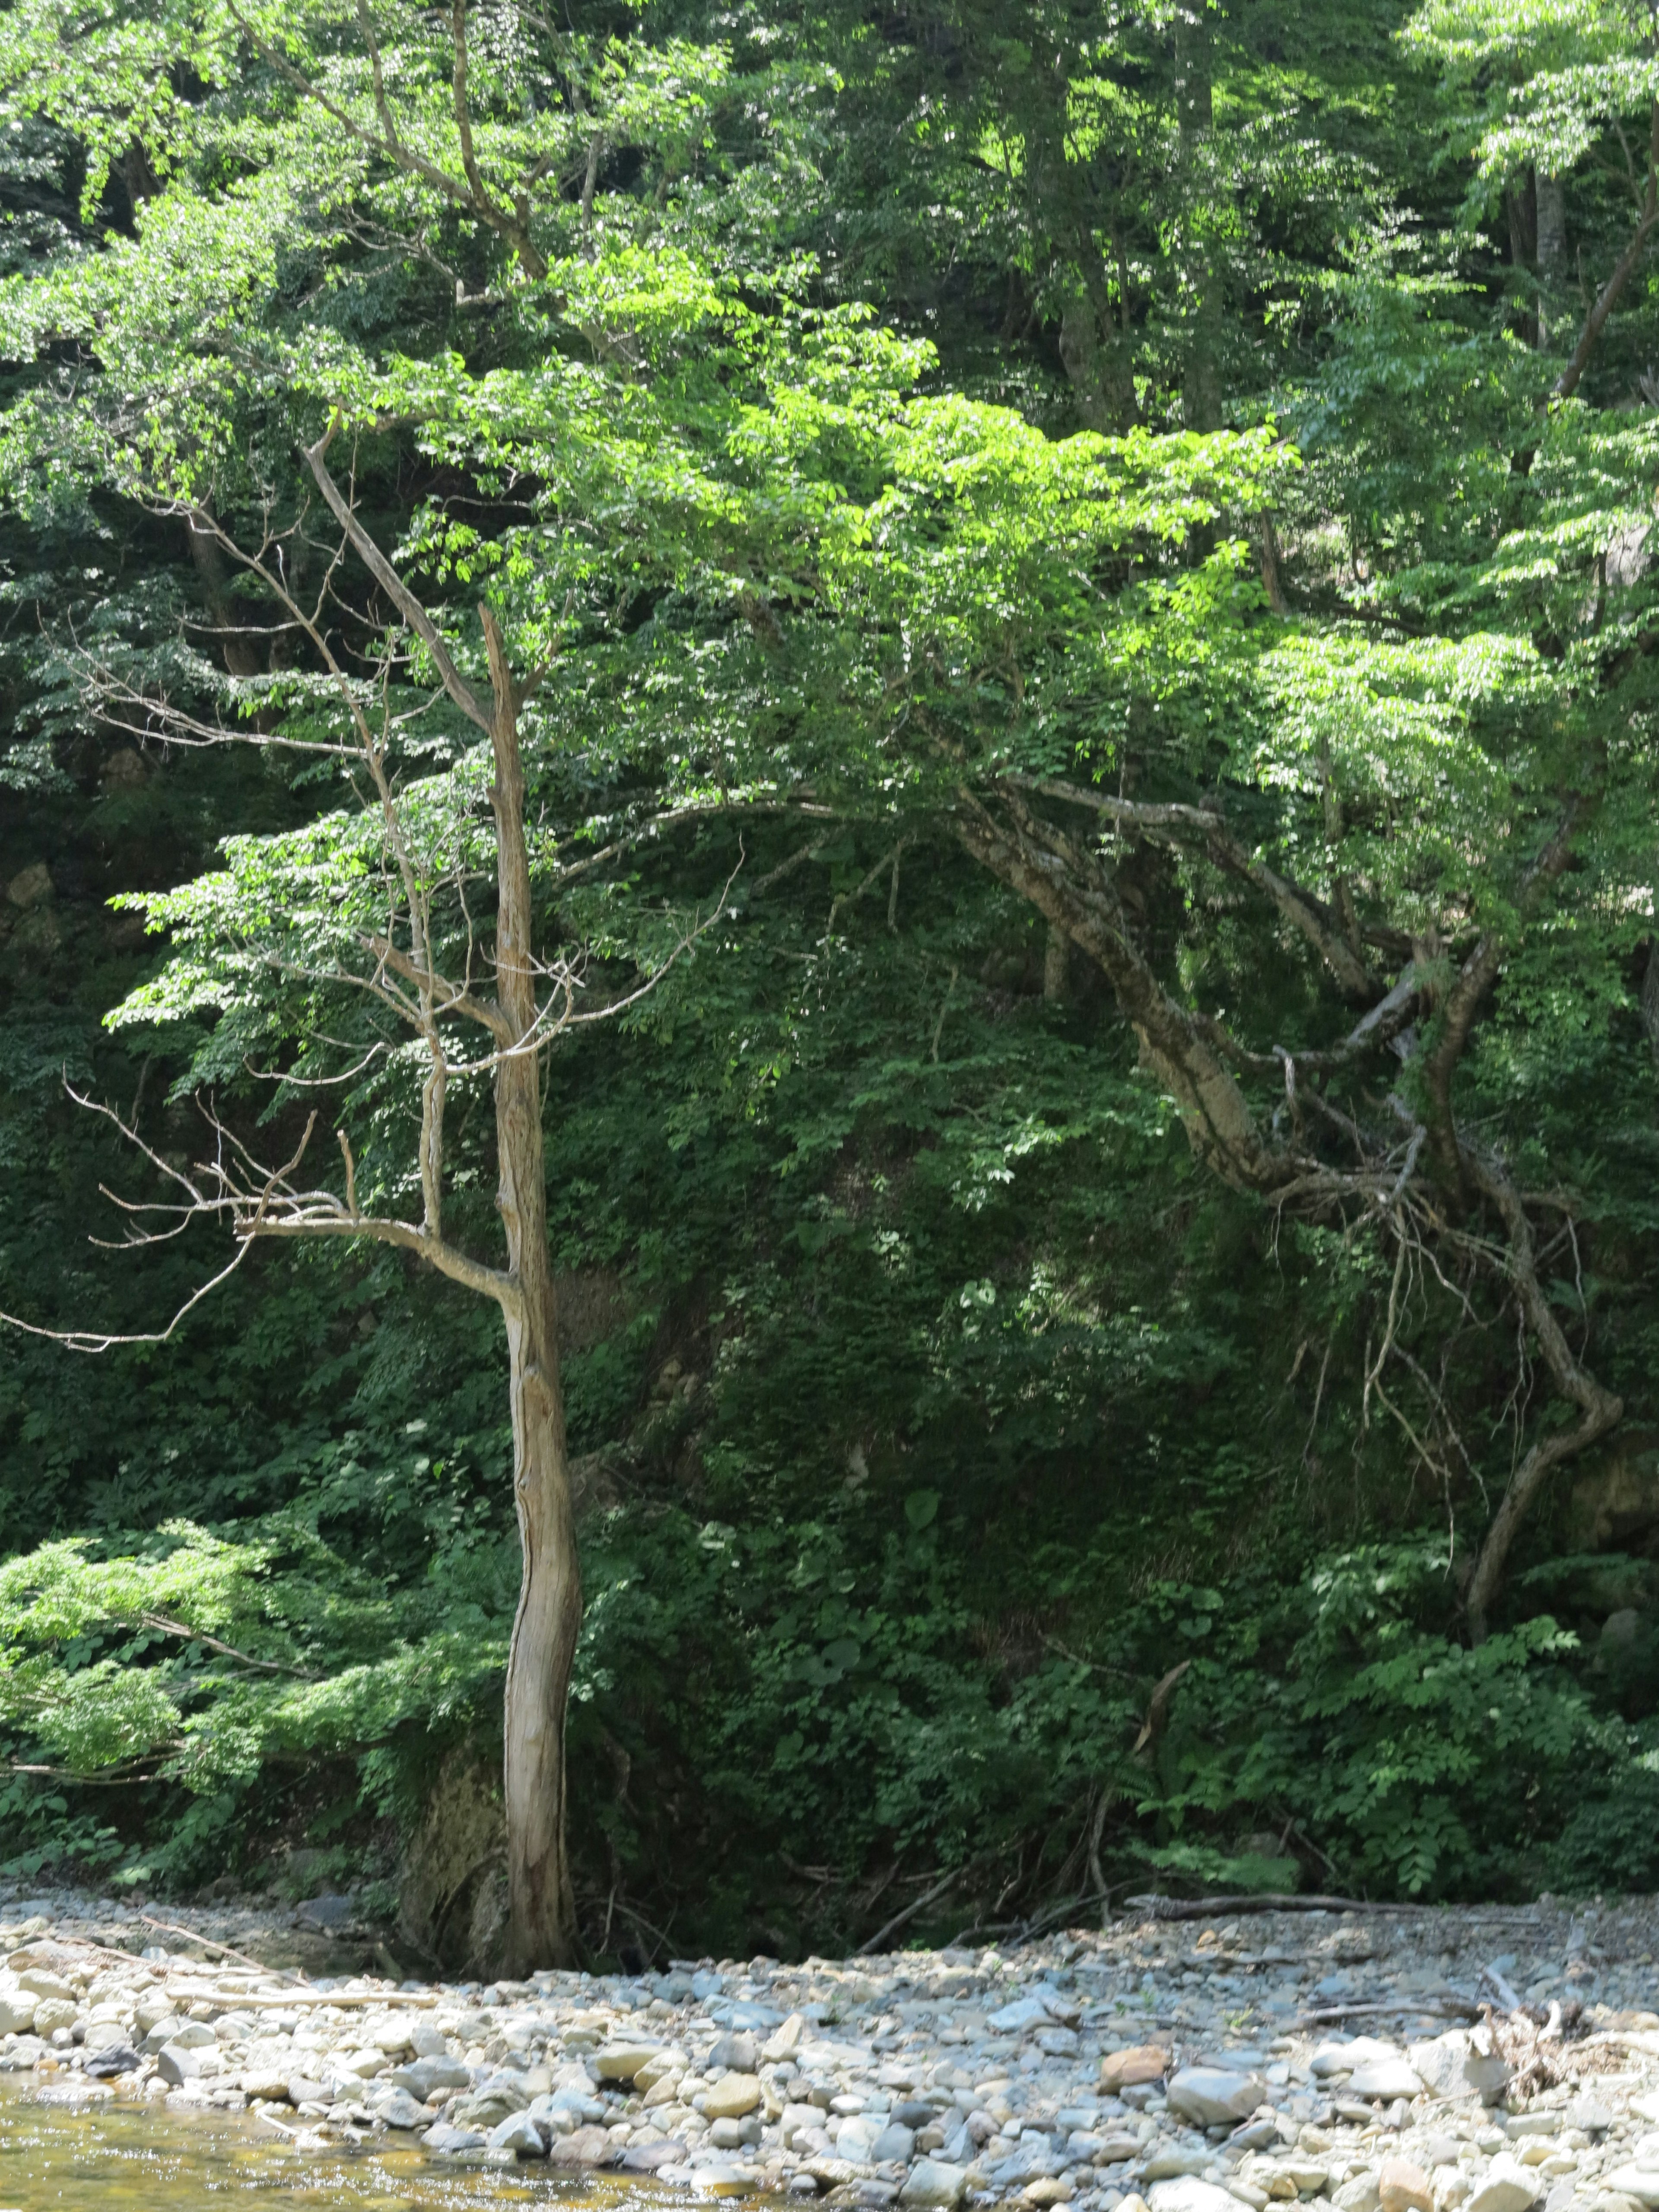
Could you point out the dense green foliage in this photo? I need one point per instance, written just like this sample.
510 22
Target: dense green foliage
864 428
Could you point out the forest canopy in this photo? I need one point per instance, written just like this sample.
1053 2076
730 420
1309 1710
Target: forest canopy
829 944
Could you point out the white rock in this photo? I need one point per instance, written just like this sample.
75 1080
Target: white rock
1506 2187
518 2135
1342 2058
1211 2096
1189 2195
399 2109
1024 2012
1385 2077
931 2182
1641 2182
1461 2063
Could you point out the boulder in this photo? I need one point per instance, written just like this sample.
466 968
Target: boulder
1387 2078
622 2062
1136 2065
1360 2194
490 2107
30 887
42 1983
441 2136
1403 2187
1462 2064
648 2158
1506 2187
733 2097
895 2145
179 2063
1023 2013
786 2042
666 2064
268 2083
17 2010
520 2136
399 2109
113 2058
1639 2183
1213 2097
1189 2195
589 2145
931 2182
1341 2055
421 2076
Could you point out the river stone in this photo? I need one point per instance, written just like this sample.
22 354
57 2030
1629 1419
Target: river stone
647 2158
1212 2097
895 2145
1360 2194
733 2097
441 2136
1189 2195
1024 2012
1461 2063
423 2075
490 2107
621 2062
1167 2161
42 1983
520 2136
54 2013
113 2058
734 2054
179 2063
787 2041
191 2035
164 2030
589 2145
1138 2063
268 2082
1506 2187
931 2182
1403 2187
1387 2078
399 2109
661 2066
17 2011
1640 2183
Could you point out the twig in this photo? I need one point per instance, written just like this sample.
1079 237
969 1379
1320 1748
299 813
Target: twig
946 1881
172 1927
1210 1908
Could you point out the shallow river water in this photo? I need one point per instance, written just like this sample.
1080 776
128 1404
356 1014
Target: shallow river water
114 2157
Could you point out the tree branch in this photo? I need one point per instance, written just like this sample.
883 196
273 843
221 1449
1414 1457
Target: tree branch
1599 1408
1607 299
390 582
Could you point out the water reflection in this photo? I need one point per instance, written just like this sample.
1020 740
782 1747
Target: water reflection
108 2156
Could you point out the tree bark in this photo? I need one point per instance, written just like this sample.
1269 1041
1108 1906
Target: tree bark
542 1914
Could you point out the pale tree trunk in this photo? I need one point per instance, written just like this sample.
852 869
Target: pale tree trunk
542 1923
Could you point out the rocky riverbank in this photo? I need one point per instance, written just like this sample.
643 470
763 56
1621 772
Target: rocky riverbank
1454 2060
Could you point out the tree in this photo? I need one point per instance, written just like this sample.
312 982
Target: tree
385 905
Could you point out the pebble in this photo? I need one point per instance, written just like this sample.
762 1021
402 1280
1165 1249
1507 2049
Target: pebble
1335 2062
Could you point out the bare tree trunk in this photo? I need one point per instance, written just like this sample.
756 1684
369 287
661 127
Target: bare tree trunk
542 1923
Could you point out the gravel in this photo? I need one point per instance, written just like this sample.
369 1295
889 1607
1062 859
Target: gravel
1455 2059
